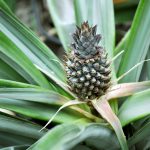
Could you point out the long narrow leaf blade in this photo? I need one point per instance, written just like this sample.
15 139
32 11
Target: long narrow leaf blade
127 89
29 43
40 111
138 42
7 72
33 94
20 147
104 109
121 46
135 107
34 49
13 56
148 64
14 84
14 130
64 20
141 134
66 137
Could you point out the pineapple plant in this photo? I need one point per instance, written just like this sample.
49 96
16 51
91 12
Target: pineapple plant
34 83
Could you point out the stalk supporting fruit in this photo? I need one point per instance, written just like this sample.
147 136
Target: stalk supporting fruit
87 67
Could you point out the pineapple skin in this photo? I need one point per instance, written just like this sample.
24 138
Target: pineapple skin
87 66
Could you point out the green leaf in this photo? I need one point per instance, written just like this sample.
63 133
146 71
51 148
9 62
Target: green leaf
41 111
26 92
32 94
71 103
20 147
14 84
14 130
141 134
138 42
135 107
29 43
13 56
34 49
65 137
100 13
6 72
144 72
11 4
64 20
121 46
148 64
104 109
137 125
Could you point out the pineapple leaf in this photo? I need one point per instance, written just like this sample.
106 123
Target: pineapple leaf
139 135
95 136
64 20
70 103
7 72
137 43
30 47
20 62
33 95
8 83
131 69
118 49
127 89
135 107
40 111
104 109
16 131
148 64
20 147
34 101
121 45
29 43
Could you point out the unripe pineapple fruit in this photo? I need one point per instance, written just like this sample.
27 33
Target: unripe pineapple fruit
87 67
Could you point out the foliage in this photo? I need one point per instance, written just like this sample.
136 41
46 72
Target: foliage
33 83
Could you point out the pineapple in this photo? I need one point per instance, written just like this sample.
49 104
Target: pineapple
87 67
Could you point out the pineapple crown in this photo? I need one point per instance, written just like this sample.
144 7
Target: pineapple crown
85 45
